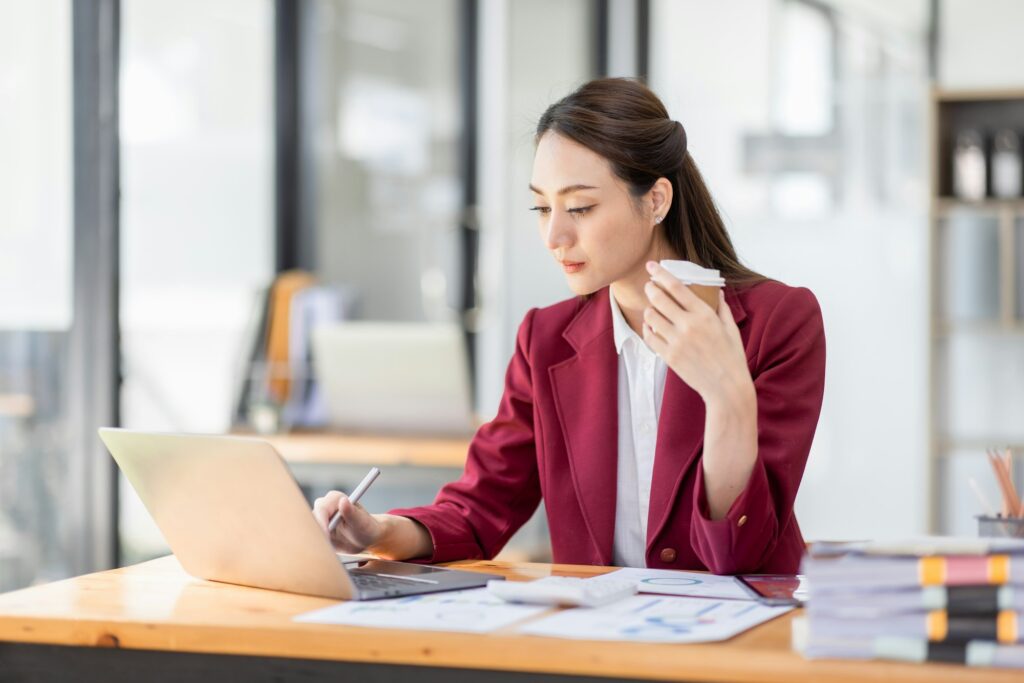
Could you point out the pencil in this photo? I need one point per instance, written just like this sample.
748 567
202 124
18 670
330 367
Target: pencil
1008 460
1005 485
981 497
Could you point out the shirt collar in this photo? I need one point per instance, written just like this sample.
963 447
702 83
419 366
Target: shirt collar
620 328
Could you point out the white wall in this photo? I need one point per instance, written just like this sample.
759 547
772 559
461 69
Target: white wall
867 262
980 44
519 78
35 166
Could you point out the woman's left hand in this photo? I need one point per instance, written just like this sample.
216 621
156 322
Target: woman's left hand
701 345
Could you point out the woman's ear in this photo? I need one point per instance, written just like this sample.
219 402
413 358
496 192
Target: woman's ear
661 199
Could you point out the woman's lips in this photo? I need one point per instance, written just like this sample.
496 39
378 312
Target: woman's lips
572 267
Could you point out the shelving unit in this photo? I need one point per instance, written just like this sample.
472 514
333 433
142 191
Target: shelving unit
1002 319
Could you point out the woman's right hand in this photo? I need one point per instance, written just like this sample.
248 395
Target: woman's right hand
357 531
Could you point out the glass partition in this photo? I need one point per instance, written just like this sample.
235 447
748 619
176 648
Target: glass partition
35 287
197 214
385 97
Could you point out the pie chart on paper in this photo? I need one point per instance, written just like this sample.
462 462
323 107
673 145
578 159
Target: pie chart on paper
694 584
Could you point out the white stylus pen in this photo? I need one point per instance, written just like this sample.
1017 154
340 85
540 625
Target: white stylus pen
355 496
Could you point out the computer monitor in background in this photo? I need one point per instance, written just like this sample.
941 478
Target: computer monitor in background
395 377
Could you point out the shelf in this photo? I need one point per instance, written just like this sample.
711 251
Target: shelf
979 95
1002 285
994 327
986 111
944 206
946 446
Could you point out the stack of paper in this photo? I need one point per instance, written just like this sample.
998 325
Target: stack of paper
937 599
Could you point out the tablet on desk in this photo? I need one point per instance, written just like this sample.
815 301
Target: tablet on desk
776 589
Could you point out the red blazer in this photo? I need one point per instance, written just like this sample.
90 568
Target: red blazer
556 436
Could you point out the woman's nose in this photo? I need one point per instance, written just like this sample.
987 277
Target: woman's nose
561 232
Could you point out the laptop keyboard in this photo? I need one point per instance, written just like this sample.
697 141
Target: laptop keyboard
373 582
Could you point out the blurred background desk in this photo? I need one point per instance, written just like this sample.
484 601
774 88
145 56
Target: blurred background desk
370 449
17 405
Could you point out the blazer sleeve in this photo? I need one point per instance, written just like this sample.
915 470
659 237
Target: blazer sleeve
499 490
789 381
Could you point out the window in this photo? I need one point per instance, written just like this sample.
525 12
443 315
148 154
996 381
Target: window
386 142
197 214
35 287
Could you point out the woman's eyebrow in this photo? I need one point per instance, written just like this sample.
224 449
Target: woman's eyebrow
567 189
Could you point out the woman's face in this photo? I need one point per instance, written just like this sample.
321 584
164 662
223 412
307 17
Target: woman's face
589 221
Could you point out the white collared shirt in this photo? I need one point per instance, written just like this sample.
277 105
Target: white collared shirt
641 387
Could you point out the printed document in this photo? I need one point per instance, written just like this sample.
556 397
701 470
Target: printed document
656 619
672 582
471 611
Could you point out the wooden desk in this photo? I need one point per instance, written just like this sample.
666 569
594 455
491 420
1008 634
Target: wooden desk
153 622
368 449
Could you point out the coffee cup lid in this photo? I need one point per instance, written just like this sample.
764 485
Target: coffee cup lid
691 273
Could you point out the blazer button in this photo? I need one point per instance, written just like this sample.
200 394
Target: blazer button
741 521
668 555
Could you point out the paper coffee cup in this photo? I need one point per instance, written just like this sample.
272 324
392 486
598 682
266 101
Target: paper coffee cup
704 282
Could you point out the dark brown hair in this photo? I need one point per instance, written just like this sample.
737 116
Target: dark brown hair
623 121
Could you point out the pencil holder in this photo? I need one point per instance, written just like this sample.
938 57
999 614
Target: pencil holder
1000 527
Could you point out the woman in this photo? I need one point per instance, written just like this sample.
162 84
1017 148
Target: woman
658 431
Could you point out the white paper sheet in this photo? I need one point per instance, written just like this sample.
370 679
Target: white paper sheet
656 619
671 582
473 611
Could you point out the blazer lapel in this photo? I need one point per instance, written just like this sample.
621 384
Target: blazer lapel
585 388
680 438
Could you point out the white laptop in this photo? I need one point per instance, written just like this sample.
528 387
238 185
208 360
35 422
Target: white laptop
395 377
231 511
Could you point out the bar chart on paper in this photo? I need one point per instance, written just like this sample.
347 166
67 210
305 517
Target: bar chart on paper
657 619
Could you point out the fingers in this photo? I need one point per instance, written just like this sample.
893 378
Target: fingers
656 342
725 315
358 531
346 511
343 542
669 283
724 310
669 305
663 303
324 510
658 323
355 522
325 507
356 528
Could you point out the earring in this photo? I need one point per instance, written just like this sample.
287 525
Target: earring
657 219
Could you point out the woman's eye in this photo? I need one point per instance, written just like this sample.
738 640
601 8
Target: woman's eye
578 211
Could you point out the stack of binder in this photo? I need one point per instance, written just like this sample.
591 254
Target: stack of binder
938 599
278 378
